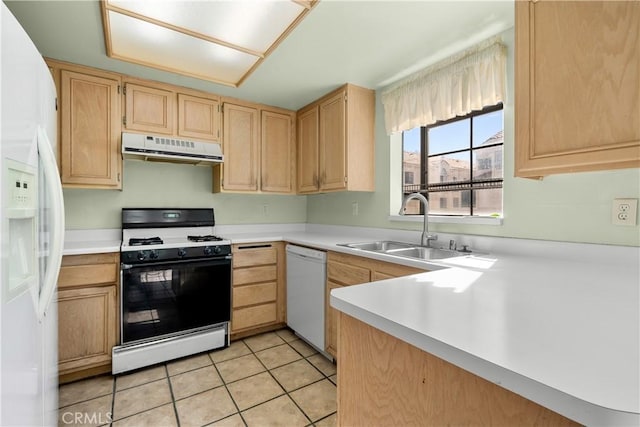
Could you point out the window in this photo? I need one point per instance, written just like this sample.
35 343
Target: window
408 177
459 164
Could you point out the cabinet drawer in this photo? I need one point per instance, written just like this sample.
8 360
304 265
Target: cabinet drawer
253 316
387 270
347 274
256 256
254 275
254 294
92 274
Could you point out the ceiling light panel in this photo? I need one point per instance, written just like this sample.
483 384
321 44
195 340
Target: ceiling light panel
145 43
250 24
240 33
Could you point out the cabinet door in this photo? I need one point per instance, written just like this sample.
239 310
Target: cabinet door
198 117
149 109
308 139
577 103
89 131
331 322
86 327
277 153
241 149
333 143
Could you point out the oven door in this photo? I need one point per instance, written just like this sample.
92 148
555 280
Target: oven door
169 298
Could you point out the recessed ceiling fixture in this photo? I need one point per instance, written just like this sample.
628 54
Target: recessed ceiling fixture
219 41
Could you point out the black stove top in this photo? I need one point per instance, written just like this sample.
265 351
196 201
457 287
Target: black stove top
208 238
145 241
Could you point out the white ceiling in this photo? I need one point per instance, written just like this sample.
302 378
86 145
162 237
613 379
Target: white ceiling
218 41
368 43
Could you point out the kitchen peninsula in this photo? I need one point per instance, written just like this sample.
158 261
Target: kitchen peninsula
432 349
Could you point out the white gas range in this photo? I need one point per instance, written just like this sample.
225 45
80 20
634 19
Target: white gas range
175 297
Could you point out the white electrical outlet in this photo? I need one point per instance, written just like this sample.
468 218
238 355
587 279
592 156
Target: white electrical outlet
624 211
354 209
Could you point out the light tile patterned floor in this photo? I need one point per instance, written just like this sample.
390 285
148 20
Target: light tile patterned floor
272 379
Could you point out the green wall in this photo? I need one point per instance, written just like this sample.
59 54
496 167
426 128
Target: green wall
152 184
568 207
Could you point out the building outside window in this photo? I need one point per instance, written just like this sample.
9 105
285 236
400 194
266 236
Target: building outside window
458 163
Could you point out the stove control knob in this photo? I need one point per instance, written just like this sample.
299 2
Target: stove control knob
153 255
207 250
141 255
217 249
182 253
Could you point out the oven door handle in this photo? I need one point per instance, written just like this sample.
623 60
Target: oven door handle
210 261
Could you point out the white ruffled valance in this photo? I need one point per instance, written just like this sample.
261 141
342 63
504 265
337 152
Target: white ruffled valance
454 87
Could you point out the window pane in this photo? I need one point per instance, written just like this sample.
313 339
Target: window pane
451 137
487 128
449 202
487 163
487 201
411 160
449 168
413 207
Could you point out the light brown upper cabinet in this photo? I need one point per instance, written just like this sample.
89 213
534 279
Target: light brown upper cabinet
158 108
149 109
308 140
240 145
198 117
277 152
259 149
89 126
344 128
577 105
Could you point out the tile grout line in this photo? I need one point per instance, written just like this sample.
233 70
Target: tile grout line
287 393
173 398
113 401
278 382
224 384
147 409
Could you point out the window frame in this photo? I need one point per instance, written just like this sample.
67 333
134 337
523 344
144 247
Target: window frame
472 184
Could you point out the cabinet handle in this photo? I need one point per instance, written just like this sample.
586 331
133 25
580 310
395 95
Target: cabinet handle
255 246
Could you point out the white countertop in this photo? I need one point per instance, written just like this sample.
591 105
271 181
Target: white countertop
558 323
82 242
562 333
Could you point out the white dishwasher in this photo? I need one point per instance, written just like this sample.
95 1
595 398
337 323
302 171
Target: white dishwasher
306 273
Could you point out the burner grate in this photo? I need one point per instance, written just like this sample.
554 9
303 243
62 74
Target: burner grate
145 241
208 238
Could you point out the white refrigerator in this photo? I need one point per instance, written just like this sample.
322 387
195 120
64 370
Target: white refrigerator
31 232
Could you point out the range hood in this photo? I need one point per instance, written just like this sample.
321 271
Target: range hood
168 149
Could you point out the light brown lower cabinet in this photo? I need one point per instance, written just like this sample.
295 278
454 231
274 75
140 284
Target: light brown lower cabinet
259 301
401 385
347 270
87 314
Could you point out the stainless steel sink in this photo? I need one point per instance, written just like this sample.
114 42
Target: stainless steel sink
402 249
425 253
379 246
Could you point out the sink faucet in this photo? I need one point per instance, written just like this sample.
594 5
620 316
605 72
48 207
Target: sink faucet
426 237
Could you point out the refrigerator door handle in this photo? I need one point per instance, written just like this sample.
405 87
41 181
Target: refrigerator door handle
54 188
